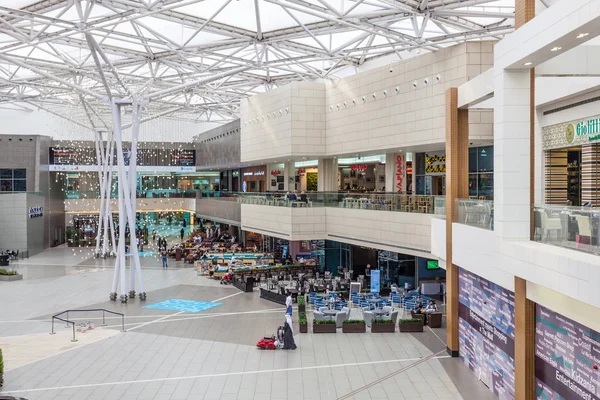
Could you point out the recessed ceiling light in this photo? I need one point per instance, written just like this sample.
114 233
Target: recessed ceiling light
582 35
555 48
528 63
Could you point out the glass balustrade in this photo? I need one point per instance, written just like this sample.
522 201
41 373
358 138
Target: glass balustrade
576 228
439 207
147 194
360 201
477 213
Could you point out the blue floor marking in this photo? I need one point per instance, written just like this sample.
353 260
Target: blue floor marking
183 305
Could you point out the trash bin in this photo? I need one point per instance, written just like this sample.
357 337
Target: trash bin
4 260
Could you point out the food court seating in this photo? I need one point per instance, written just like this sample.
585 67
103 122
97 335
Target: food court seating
340 317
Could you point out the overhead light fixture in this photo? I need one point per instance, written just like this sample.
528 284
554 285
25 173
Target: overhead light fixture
582 35
528 63
555 48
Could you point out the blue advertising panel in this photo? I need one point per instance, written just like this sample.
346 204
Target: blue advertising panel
486 332
375 281
567 355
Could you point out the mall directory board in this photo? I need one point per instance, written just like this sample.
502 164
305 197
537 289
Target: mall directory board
487 332
567 358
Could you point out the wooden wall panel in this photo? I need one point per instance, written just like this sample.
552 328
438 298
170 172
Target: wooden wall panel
524 343
556 177
457 187
590 174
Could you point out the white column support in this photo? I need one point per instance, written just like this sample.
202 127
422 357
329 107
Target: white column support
511 137
289 171
127 199
328 175
390 172
100 159
120 265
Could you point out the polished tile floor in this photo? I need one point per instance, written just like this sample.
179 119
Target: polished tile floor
181 353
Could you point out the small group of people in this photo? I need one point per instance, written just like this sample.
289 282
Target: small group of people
431 307
162 241
291 196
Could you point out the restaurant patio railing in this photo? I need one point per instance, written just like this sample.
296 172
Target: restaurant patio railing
439 207
477 213
146 194
576 228
363 201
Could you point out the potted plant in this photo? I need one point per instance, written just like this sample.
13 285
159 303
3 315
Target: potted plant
411 325
326 326
9 275
301 304
303 322
354 326
1 369
383 326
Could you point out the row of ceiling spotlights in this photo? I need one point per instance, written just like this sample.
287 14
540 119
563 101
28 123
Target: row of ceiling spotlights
273 115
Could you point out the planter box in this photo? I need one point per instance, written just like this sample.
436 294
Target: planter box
412 327
354 328
383 328
302 308
244 284
272 296
303 328
9 278
324 328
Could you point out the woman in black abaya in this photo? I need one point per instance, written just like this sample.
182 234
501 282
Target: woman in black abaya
288 334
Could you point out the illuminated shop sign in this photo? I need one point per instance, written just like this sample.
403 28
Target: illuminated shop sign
257 173
359 167
589 129
276 172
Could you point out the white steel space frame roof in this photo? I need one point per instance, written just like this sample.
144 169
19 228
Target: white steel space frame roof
195 59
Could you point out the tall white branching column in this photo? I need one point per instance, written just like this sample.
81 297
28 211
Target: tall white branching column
127 208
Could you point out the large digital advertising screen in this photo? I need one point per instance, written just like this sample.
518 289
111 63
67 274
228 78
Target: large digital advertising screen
567 358
487 332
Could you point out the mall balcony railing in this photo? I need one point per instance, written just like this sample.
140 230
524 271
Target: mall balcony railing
364 201
146 194
475 212
575 228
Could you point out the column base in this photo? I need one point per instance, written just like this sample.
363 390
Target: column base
142 295
452 353
112 296
132 294
124 298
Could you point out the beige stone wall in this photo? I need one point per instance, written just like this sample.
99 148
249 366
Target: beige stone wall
285 121
406 116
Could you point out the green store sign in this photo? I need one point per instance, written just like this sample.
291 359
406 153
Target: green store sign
589 129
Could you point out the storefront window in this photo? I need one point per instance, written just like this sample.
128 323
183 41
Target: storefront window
485 159
481 176
472 159
13 180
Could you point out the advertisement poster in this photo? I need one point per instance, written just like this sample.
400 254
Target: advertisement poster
375 281
486 331
567 358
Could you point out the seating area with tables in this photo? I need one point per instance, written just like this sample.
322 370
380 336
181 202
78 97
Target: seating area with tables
572 227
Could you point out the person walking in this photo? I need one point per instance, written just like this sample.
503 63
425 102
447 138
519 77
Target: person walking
154 236
164 258
182 232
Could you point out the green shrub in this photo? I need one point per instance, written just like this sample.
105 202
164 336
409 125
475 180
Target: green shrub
354 321
409 320
301 301
5 272
312 179
1 363
382 321
302 318
324 322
